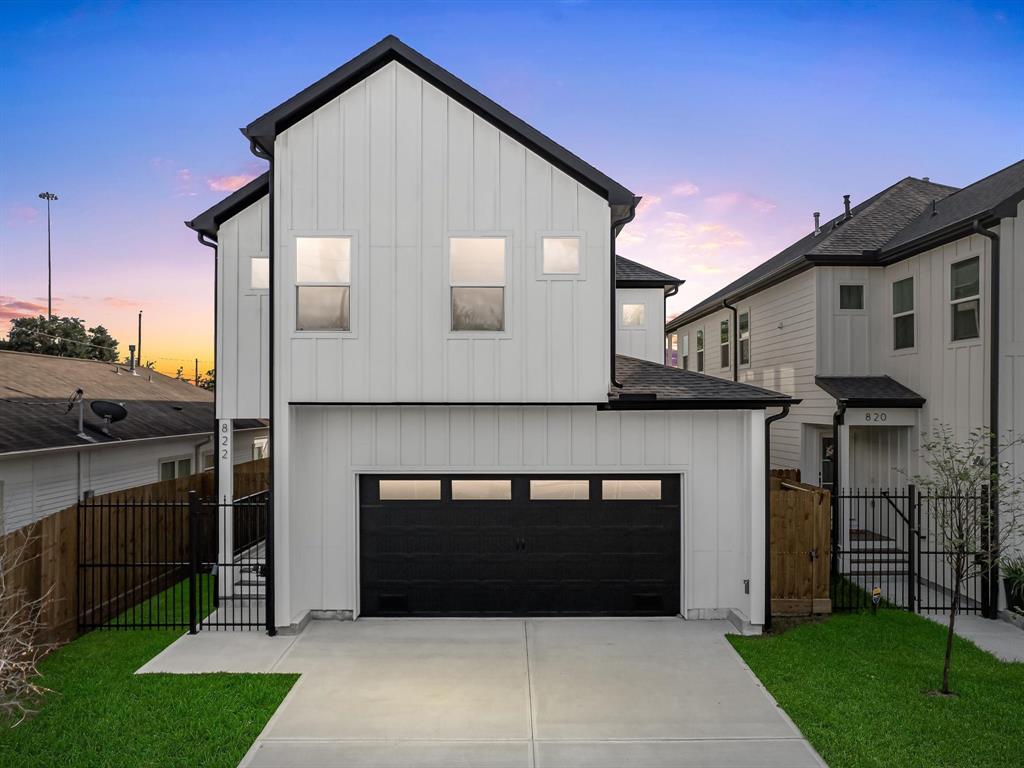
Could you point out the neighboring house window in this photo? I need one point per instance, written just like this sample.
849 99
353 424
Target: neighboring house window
744 338
476 272
323 276
700 351
851 297
259 273
672 350
560 255
965 297
259 448
724 343
686 352
171 469
634 315
206 461
903 313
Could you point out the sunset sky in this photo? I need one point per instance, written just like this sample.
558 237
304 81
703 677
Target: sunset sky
734 122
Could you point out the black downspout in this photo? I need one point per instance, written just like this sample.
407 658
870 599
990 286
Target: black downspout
270 580
734 342
617 224
768 514
993 417
837 421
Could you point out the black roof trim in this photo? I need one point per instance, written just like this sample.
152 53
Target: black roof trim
869 392
633 274
209 221
265 129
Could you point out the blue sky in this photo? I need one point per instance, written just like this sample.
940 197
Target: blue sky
735 121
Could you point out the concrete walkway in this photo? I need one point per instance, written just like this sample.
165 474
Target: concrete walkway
562 692
1000 638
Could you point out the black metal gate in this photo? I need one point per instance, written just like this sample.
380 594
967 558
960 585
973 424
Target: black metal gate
889 539
183 564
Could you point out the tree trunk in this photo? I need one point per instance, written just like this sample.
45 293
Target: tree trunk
957 580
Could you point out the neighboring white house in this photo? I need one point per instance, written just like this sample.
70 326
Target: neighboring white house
425 306
49 459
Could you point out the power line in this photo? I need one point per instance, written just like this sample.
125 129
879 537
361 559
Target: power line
99 346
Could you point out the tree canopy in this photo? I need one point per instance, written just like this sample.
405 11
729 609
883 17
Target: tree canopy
61 337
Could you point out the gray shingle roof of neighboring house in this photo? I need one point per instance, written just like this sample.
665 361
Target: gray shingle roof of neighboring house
651 386
873 223
35 413
867 391
632 274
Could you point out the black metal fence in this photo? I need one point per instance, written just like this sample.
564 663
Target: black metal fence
893 541
184 564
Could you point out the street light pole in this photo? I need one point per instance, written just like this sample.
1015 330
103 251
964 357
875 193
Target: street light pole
48 196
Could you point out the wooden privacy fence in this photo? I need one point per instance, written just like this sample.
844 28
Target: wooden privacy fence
49 564
801 538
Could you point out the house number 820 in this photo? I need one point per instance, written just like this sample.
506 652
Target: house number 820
874 416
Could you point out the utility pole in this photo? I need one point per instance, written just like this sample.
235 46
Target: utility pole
139 343
197 372
48 196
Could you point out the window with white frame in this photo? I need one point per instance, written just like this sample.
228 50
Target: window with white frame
851 297
259 448
323 277
259 273
685 359
700 350
724 342
903 314
560 255
476 274
634 316
173 468
965 299
743 337
206 461
672 350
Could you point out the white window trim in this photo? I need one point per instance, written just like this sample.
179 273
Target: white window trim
948 321
912 349
623 326
539 258
740 338
684 351
864 292
701 348
727 345
448 284
291 270
250 291
175 459
261 442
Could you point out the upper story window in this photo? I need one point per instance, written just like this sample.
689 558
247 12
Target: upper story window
724 343
560 255
634 316
744 337
851 297
685 359
903 313
477 275
323 277
259 273
672 350
965 299
700 350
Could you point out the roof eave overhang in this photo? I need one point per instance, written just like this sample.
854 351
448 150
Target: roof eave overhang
208 222
695 404
955 231
881 402
663 284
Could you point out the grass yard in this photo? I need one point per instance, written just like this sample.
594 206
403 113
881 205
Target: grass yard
101 714
857 687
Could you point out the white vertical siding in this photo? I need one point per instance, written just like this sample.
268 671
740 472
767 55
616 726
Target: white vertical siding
333 445
1011 338
849 340
399 166
647 343
243 317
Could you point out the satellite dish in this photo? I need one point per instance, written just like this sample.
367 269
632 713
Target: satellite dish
108 411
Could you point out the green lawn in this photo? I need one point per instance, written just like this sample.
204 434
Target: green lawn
101 714
857 687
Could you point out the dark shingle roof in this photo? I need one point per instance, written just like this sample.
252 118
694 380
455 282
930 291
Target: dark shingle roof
629 273
647 385
867 391
874 222
995 195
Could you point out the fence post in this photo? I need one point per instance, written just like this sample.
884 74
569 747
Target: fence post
989 607
268 577
193 557
911 547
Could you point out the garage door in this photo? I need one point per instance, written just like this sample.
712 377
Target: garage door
519 545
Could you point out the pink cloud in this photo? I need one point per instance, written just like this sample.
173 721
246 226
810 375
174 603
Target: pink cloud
12 308
685 189
232 183
22 214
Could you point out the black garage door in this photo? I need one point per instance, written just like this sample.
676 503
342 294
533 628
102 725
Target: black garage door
519 545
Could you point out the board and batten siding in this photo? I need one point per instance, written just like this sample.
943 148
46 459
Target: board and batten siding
782 357
332 445
399 167
648 342
1011 339
243 316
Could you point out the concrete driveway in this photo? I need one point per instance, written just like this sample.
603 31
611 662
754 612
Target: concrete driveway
560 692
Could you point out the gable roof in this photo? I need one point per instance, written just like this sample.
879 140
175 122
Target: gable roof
35 413
208 222
263 130
872 224
652 386
632 274
869 391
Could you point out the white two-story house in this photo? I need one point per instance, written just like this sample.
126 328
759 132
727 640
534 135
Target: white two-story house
904 310
421 295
